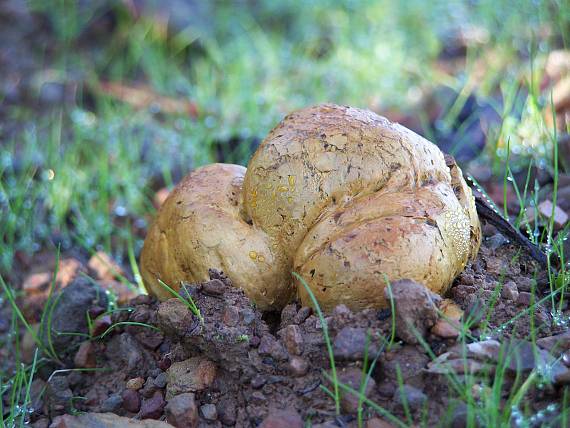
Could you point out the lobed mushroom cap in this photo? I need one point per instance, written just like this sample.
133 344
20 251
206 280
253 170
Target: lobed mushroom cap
341 195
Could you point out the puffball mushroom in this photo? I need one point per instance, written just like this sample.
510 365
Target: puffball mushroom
340 195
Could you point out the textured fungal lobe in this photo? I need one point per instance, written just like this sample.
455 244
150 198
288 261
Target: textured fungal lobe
341 195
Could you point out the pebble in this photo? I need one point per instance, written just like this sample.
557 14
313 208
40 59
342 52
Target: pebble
153 407
293 339
36 283
85 356
161 380
350 344
98 420
103 266
409 361
414 397
287 418
101 325
560 217
69 316
131 400
209 412
298 366
303 314
174 317
524 299
510 291
269 346
112 404
378 423
288 314
58 395
352 377
182 411
191 375
227 412
231 316
214 287
416 309
258 381
555 344
135 383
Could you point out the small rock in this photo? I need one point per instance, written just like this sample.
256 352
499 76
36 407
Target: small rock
67 271
350 344
135 383
174 317
135 358
293 339
555 344
416 309
510 291
524 299
36 283
227 412
525 284
298 366
487 350
409 361
378 423
150 339
112 404
303 314
85 356
103 266
459 416
353 378
269 346
258 381
107 420
101 325
160 380
560 217
182 411
445 364
28 346
562 377
496 241
58 395
194 374
414 397
69 315
209 412
153 407
341 311
475 313
123 291
131 400
231 316
41 423
214 287
445 329
149 388
288 314
287 418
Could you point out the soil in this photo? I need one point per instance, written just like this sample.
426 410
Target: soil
239 365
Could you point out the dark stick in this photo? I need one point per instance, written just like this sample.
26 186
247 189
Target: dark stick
507 229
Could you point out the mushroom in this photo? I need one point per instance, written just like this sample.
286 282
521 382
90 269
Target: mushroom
340 195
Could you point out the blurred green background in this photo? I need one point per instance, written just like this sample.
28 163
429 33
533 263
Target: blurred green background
103 103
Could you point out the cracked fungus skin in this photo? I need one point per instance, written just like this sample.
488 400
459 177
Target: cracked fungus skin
340 195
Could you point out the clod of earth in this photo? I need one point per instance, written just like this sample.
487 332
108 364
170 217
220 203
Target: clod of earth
340 195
